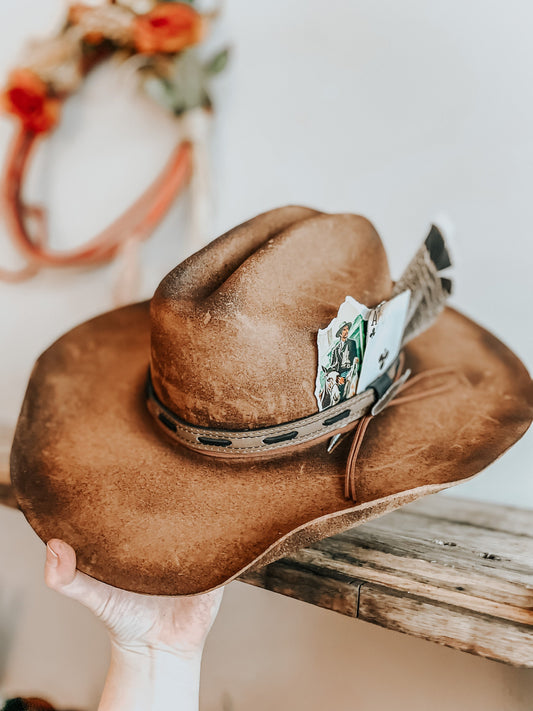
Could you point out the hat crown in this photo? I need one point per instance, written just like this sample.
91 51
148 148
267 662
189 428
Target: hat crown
234 327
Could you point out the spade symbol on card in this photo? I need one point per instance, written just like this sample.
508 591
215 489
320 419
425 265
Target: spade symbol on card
382 358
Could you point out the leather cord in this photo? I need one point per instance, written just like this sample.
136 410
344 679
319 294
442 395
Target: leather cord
362 425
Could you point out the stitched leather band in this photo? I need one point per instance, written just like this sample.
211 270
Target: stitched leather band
314 428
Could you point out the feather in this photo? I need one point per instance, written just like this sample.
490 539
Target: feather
429 291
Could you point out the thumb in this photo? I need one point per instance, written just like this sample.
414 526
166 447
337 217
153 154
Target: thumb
60 574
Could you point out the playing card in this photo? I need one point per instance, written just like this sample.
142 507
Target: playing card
383 338
340 354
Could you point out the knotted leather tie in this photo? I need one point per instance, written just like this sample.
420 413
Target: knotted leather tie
362 424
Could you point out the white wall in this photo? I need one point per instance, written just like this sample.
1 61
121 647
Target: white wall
400 111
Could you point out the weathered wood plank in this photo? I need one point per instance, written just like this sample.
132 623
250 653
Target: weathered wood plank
337 594
490 516
417 576
482 635
498 569
442 569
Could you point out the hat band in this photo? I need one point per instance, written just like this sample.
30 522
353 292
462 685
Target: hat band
314 428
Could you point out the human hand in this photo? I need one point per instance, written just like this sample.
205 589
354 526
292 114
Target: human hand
173 624
147 632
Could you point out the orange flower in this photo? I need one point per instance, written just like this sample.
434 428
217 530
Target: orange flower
169 27
26 96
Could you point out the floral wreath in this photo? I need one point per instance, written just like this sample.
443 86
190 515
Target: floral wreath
161 34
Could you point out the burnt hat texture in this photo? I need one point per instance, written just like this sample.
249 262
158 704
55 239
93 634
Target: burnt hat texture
230 337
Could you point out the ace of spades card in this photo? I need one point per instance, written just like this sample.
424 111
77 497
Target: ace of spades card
385 329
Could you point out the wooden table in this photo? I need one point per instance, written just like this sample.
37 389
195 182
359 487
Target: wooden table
456 572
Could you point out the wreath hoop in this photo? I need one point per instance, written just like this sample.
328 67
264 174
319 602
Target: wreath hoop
163 37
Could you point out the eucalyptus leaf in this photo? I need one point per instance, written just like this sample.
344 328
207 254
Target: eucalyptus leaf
182 85
188 80
161 91
217 63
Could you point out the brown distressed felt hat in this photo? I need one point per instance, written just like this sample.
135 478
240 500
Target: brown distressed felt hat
184 491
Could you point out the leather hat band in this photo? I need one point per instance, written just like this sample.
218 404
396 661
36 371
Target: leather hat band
314 428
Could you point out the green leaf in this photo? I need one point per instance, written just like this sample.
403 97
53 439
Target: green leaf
218 62
185 86
160 91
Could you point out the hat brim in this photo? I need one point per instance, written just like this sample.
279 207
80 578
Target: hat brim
145 514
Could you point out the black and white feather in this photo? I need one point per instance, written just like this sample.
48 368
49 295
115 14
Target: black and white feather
429 288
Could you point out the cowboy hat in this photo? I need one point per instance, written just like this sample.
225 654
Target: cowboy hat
339 331
177 480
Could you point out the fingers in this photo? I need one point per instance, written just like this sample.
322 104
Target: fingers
60 574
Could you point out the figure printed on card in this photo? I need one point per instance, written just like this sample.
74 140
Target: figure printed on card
340 354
